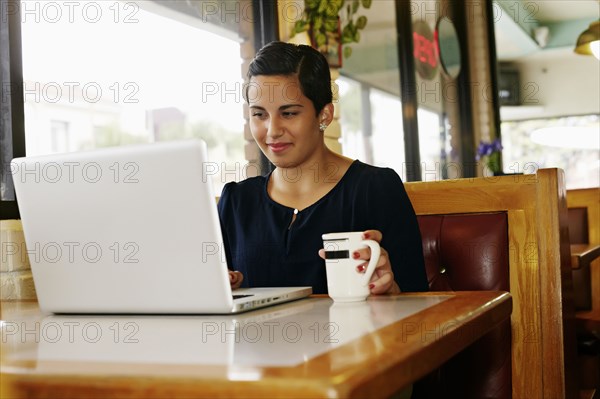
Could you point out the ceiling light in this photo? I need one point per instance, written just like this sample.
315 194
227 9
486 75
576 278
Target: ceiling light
588 42
581 137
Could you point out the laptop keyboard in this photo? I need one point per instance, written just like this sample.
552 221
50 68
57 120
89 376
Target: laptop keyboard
242 296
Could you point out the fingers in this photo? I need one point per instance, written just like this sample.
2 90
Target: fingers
381 284
235 279
382 280
365 254
374 235
322 253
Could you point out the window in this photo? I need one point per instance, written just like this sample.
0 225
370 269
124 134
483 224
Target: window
372 130
59 136
356 138
388 135
571 143
110 73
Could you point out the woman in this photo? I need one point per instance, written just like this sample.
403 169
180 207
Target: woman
272 225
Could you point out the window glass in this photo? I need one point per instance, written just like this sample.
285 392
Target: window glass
355 141
372 130
110 73
431 145
371 111
388 135
570 143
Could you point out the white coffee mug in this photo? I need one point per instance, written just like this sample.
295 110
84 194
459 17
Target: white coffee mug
344 282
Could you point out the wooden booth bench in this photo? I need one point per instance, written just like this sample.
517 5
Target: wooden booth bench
508 233
584 233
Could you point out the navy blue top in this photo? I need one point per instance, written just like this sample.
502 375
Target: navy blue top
263 244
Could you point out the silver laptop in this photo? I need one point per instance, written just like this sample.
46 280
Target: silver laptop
130 229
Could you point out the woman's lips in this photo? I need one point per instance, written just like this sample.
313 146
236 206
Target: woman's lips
278 147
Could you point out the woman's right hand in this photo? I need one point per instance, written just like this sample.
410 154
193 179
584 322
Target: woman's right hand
235 279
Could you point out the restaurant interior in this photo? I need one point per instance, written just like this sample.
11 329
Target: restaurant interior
488 110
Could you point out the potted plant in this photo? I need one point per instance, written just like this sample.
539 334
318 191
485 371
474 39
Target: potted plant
489 153
332 25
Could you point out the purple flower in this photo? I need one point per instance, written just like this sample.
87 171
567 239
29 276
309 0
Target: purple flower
486 149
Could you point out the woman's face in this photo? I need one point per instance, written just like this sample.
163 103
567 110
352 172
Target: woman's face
283 120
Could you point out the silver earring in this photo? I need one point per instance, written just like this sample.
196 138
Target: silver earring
322 127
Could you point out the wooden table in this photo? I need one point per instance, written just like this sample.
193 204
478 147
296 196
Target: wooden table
307 348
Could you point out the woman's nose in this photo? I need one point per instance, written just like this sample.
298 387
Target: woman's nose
274 128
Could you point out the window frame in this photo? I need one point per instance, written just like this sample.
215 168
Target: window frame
12 109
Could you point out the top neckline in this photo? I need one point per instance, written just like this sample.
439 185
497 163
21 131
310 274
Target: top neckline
352 166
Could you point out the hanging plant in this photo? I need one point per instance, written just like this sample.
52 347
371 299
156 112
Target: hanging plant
333 24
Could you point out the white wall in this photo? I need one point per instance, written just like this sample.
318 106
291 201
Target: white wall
563 83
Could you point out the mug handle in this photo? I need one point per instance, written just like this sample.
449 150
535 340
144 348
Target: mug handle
375 252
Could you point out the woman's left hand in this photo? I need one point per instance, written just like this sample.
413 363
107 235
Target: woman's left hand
382 281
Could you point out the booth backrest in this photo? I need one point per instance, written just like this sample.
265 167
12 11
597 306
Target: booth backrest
578 226
584 228
469 252
542 341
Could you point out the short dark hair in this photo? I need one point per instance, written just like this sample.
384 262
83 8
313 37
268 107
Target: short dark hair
280 58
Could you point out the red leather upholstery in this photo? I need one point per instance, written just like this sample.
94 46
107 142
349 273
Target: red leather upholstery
464 253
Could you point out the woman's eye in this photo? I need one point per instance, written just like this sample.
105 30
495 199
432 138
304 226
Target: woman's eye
289 114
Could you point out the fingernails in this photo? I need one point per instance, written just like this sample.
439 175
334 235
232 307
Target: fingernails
367 236
371 286
360 268
355 255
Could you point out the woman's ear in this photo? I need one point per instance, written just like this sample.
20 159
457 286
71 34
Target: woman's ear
326 114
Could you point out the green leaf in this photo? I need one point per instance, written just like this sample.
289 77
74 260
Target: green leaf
317 23
334 7
361 22
322 6
299 26
351 28
347 36
331 11
321 39
311 4
366 3
355 5
331 24
347 51
356 36
347 31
